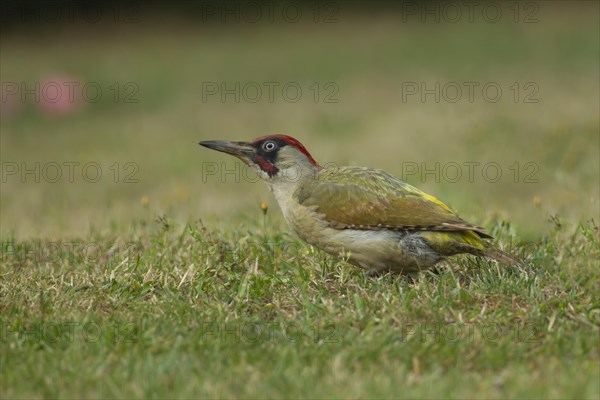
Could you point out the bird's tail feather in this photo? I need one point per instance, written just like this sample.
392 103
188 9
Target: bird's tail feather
487 250
501 257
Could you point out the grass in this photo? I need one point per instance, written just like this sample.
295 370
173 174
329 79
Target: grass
117 289
184 311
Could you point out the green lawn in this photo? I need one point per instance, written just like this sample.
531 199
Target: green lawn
186 311
164 279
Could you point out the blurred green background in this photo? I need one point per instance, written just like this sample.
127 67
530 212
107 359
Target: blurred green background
365 55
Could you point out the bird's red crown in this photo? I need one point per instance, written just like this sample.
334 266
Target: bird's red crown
292 142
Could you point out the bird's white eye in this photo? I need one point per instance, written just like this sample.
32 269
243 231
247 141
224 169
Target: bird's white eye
269 146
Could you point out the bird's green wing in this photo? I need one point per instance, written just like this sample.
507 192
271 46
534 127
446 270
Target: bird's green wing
361 198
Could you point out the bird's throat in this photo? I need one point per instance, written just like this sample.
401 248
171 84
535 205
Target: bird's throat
266 166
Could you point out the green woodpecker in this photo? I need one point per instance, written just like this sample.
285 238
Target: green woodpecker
383 223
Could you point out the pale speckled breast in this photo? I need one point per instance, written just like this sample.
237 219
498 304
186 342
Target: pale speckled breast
307 223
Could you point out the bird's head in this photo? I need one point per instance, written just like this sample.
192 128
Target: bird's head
274 157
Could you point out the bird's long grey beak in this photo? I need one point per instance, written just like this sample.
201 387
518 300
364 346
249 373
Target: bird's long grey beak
242 150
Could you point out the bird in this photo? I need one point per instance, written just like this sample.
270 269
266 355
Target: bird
375 220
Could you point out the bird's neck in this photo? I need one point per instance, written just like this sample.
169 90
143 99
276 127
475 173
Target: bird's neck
287 183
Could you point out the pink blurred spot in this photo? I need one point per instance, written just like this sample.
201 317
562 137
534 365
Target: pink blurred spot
59 95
